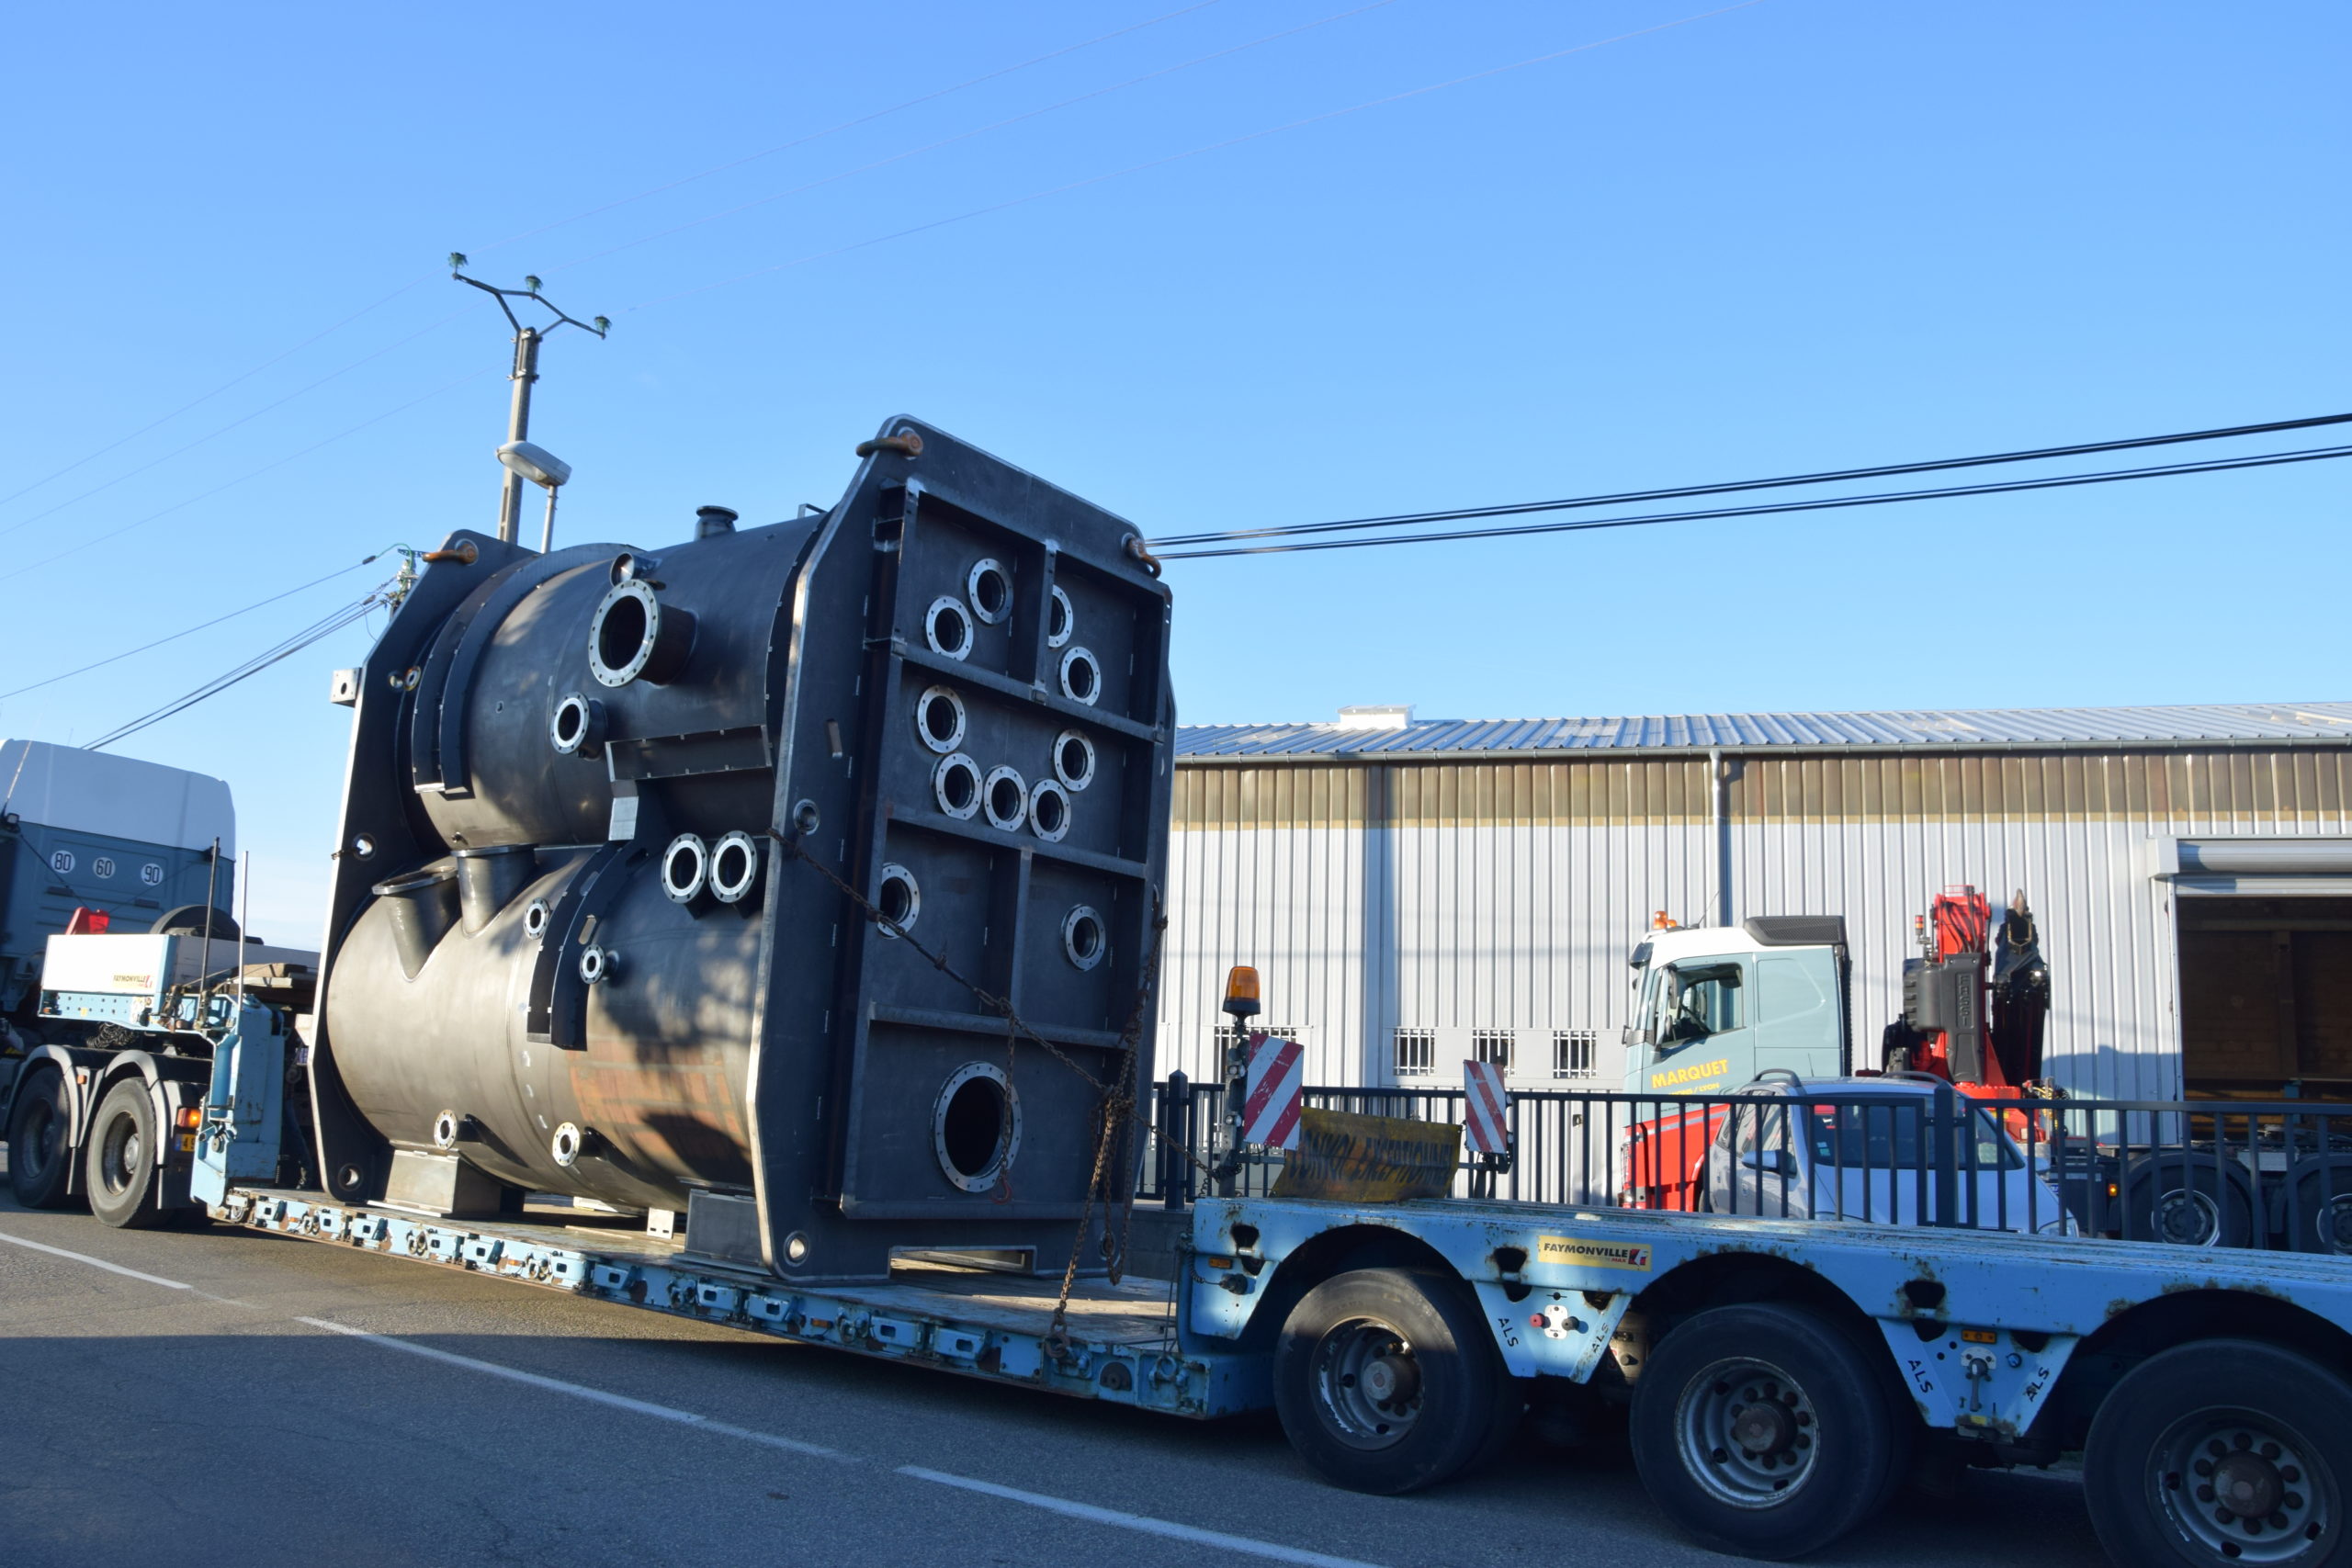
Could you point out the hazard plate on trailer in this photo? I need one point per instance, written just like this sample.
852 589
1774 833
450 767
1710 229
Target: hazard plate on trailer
1370 1160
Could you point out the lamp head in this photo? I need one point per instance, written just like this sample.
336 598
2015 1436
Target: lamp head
536 464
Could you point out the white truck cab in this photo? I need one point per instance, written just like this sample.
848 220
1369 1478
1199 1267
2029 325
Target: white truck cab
1716 1005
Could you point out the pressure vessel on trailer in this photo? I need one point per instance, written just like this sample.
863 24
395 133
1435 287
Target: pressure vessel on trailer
586 935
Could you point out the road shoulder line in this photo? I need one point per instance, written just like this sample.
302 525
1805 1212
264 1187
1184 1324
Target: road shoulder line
577 1391
1192 1534
99 1263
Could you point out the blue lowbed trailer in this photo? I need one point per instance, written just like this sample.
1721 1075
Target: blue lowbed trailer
1782 1377
1779 1379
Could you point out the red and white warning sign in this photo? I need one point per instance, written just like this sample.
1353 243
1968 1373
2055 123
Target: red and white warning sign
1484 1103
1277 1075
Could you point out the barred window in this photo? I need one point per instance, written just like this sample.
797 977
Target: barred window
1491 1045
1227 1036
1575 1053
1416 1053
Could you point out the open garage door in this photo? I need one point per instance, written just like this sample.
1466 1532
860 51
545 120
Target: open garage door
2266 996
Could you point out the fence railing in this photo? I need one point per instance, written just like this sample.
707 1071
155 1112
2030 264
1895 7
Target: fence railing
2196 1173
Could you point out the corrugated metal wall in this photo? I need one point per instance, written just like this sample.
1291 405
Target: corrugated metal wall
1506 895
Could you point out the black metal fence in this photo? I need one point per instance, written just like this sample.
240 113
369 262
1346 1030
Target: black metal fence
1903 1151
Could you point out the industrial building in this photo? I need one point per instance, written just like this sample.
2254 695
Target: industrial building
1416 892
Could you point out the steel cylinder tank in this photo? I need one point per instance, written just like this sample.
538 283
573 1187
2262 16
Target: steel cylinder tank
589 934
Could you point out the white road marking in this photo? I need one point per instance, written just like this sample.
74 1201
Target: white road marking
1142 1523
581 1390
101 1263
1245 1545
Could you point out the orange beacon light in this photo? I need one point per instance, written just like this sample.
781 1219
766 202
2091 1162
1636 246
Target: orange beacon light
1241 991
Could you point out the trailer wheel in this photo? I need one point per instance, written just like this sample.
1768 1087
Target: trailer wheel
2229 1452
1387 1381
120 1172
39 1151
1762 1430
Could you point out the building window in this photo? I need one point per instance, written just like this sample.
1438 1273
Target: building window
1491 1045
1228 1037
1575 1054
1416 1053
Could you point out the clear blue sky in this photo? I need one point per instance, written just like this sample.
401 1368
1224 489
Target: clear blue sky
1797 235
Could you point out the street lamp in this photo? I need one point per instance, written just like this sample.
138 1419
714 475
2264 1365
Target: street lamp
518 419
543 468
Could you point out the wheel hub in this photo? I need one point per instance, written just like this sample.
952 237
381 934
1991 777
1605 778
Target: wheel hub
1748 1433
2333 1225
2248 1485
1389 1379
47 1138
118 1152
2189 1218
1367 1384
2242 1486
1763 1428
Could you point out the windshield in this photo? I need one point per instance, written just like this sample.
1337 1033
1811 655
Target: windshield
1882 1135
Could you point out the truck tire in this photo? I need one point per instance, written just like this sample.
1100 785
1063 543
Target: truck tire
1387 1381
40 1148
1763 1430
118 1168
2181 1198
2187 1433
2315 1205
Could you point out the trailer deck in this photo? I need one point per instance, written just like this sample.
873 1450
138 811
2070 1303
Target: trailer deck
1122 1339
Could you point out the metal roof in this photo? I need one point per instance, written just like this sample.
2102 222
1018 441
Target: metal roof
2191 724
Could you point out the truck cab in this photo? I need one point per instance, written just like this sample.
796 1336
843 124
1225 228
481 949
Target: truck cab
1717 1004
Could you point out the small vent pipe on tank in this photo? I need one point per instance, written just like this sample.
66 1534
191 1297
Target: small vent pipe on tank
488 879
424 905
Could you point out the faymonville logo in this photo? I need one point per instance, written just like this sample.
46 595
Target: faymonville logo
1678 1076
1591 1253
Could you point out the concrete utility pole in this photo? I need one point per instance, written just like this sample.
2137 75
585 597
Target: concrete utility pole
518 427
526 372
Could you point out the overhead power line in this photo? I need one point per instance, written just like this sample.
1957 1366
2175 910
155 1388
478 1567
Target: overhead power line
335 621
1681 492
230 384
224 430
902 234
339 324
191 631
96 539
2216 466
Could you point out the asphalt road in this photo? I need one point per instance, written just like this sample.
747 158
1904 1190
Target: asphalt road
221 1396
